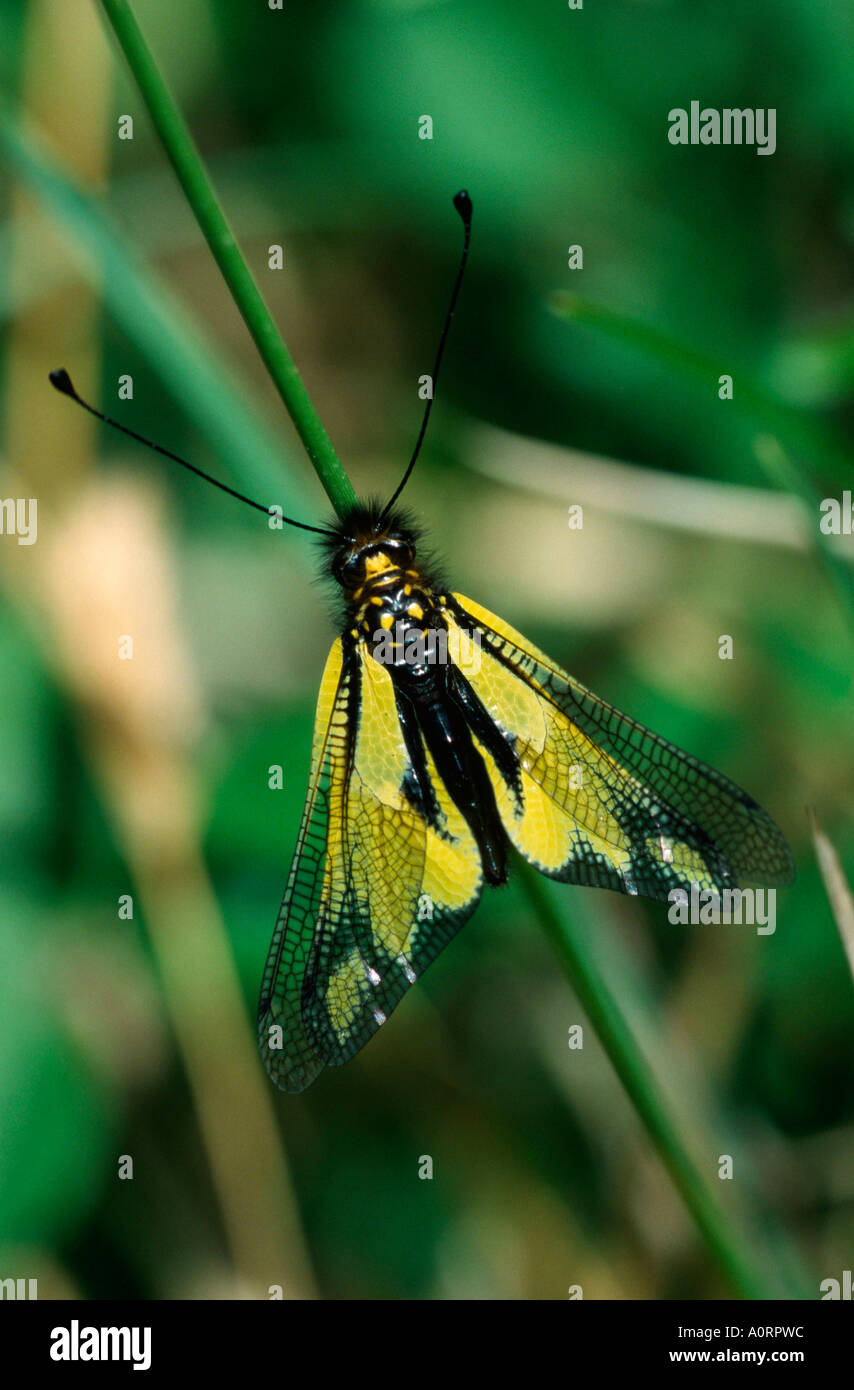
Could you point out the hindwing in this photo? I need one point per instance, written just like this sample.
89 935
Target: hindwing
605 802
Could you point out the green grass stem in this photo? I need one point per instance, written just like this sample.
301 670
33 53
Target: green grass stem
187 163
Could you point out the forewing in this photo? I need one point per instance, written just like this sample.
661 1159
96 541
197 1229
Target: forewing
603 801
289 1053
375 892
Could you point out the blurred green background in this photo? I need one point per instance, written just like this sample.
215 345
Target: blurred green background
133 1036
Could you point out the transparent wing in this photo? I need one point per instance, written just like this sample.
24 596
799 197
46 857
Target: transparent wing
374 893
603 801
289 1052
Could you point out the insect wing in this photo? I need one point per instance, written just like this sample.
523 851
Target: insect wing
374 892
289 1053
605 802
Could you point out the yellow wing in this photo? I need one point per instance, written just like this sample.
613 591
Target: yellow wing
605 802
374 892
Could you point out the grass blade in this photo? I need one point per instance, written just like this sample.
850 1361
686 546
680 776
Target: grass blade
836 885
729 1244
187 163
162 329
800 434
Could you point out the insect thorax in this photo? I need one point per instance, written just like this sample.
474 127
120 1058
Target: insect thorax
398 615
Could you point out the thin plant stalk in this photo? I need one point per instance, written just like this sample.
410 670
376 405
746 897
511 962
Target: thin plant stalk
187 163
730 1246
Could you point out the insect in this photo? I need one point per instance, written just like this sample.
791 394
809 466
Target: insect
441 738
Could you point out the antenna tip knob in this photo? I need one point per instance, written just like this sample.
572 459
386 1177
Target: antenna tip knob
62 381
462 202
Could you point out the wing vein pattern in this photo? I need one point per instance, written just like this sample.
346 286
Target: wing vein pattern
606 802
374 892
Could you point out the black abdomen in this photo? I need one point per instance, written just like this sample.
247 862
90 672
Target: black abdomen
432 716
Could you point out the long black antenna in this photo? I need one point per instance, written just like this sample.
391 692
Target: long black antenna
462 203
62 381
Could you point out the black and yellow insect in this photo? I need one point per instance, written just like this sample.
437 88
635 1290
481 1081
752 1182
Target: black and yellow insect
424 772
442 737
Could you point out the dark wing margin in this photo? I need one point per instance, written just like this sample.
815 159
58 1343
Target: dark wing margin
289 1053
641 816
374 892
